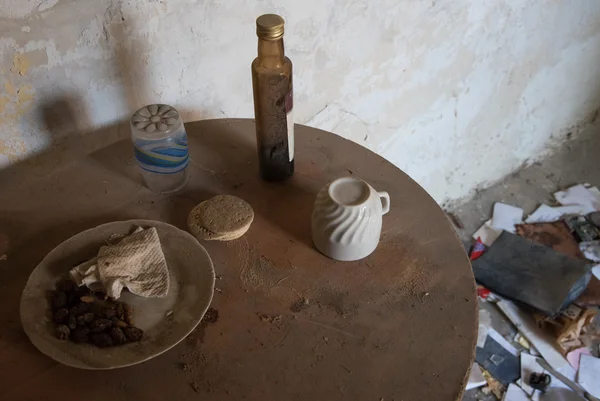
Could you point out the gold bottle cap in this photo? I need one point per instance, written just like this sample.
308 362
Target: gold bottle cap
269 27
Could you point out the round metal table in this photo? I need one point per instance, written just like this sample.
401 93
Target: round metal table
292 324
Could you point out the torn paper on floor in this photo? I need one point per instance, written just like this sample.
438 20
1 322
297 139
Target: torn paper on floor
579 195
591 250
499 358
506 216
514 393
529 365
519 339
544 214
589 374
476 378
596 271
547 214
575 356
485 322
539 338
487 234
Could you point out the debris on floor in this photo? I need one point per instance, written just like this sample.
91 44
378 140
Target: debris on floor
540 381
499 358
540 274
476 378
581 195
591 250
555 235
493 385
505 217
569 331
487 234
477 250
575 356
533 274
514 393
589 374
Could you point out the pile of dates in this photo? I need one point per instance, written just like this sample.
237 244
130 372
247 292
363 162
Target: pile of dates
85 317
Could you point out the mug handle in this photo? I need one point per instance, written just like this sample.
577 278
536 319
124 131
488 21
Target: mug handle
385 201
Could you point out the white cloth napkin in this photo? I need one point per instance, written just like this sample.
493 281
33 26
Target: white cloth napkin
136 262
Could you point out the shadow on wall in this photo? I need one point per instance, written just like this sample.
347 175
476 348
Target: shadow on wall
64 114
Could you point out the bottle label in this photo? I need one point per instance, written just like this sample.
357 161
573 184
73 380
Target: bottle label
289 111
163 156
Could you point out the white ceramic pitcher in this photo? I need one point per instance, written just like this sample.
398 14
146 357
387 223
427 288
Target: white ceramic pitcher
346 219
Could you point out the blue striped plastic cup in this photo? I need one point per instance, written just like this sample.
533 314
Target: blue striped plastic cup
161 147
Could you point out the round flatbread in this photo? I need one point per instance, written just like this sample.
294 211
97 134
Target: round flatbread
222 218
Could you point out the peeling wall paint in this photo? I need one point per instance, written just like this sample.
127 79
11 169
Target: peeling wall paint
455 93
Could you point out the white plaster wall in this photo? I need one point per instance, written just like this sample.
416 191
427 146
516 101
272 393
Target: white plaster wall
457 93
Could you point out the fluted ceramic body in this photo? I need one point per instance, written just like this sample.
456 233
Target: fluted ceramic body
346 219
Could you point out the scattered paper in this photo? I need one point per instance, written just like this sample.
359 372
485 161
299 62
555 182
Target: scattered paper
555 383
540 339
506 216
595 191
570 331
487 234
574 356
544 214
579 195
574 209
589 374
499 358
591 250
502 341
596 271
485 322
476 378
514 393
519 339
529 365
559 394
547 214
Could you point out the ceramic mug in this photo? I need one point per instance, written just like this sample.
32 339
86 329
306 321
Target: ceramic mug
346 219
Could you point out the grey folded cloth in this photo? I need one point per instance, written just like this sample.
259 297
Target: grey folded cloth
136 262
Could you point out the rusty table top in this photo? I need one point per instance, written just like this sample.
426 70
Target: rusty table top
292 324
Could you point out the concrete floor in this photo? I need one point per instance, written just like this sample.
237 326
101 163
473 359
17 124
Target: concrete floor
578 161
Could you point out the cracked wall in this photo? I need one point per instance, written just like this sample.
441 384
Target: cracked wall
455 93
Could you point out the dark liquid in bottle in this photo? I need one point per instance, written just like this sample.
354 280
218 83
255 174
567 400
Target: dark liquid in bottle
273 101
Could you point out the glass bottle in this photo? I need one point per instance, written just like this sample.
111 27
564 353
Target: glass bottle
273 101
161 147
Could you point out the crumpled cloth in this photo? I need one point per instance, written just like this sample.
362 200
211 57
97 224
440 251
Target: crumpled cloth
136 262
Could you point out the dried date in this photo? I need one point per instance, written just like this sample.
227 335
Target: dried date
59 300
99 325
118 336
80 335
101 340
62 332
133 333
61 315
